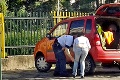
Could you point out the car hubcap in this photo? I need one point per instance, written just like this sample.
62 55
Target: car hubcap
41 63
87 66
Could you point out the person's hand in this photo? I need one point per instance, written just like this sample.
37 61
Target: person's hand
72 59
63 49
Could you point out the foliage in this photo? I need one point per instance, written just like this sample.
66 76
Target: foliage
66 5
52 5
84 5
15 5
109 1
23 38
21 32
3 6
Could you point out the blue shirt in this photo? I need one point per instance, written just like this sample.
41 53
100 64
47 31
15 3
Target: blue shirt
65 40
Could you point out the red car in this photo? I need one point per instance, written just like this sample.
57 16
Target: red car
95 26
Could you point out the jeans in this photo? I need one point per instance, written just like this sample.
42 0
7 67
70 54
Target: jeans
80 56
60 59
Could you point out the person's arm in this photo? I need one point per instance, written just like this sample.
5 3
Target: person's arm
68 44
67 52
88 44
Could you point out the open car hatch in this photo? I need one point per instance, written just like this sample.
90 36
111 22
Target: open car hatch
109 10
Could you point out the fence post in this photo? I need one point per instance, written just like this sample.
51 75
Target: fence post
0 65
2 35
2 44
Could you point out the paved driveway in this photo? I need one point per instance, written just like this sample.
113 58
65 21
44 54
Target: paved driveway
33 74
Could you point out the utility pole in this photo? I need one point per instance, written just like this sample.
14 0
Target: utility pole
2 42
58 6
0 46
58 12
0 64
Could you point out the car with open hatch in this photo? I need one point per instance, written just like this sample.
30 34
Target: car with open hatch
96 27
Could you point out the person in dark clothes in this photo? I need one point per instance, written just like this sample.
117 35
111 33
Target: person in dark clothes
59 45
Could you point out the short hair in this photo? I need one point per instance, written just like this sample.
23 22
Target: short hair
80 34
73 33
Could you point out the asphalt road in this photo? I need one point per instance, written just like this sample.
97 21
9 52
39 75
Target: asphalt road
33 74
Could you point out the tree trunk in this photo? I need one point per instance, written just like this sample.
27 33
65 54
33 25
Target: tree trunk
97 4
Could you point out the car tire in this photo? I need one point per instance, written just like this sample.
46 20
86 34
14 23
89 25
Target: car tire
41 64
119 67
89 65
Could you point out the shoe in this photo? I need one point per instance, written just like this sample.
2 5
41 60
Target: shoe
56 74
64 75
82 77
74 76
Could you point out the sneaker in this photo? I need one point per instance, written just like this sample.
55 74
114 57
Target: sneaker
82 77
74 76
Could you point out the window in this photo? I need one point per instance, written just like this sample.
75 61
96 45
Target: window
88 26
77 25
60 30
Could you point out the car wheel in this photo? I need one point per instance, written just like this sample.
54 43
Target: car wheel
41 64
89 65
119 67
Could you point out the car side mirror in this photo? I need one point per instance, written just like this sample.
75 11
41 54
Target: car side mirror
48 36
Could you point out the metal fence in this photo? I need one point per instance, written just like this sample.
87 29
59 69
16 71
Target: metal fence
22 32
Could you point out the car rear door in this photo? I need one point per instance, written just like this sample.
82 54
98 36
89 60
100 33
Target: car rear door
109 10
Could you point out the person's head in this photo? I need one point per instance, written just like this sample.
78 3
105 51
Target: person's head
80 34
112 27
74 34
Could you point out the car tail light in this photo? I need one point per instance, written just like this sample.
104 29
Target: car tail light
97 40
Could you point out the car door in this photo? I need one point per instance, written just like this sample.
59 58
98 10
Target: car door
58 31
109 10
76 26
89 31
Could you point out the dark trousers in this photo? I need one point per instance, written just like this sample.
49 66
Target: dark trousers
60 59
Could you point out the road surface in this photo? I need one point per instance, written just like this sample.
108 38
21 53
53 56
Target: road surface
33 74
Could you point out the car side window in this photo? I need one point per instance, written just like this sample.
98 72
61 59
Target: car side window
60 30
88 25
76 25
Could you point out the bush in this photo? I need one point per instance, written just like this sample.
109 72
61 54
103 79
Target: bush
18 39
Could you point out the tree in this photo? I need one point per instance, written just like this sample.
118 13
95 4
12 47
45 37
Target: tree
66 5
84 5
109 1
3 6
15 5
52 5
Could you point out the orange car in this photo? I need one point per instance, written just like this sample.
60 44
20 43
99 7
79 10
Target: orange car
95 26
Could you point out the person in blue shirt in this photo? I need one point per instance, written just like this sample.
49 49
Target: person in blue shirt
59 45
